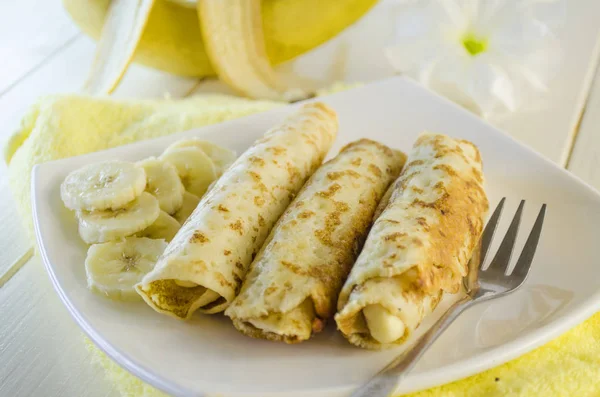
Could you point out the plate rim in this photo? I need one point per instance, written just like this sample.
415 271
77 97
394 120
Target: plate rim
482 362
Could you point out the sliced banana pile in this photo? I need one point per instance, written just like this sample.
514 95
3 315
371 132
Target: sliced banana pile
129 211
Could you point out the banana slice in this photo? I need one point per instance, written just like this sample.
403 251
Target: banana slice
101 186
113 268
384 326
164 228
194 167
221 157
108 225
190 202
162 181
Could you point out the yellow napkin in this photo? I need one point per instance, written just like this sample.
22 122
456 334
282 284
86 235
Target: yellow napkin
63 126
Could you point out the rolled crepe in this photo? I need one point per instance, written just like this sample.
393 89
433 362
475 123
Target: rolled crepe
420 245
204 265
294 281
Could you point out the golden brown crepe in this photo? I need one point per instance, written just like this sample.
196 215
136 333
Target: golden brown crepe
419 246
204 265
294 281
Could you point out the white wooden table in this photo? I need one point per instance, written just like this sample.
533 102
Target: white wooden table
41 348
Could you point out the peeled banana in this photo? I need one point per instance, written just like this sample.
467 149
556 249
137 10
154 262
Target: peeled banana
233 36
162 181
102 186
194 167
113 268
108 225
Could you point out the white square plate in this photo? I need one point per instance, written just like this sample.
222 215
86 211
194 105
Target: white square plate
207 356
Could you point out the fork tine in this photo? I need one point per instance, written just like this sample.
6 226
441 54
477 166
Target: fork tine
489 231
524 262
502 258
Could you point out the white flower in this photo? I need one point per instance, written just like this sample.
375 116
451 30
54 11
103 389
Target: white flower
491 56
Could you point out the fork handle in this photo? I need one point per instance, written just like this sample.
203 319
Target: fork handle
386 380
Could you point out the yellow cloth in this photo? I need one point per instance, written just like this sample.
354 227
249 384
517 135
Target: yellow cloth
62 126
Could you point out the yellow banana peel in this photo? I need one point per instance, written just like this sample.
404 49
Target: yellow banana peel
172 39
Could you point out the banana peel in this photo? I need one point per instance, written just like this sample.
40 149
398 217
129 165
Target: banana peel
172 39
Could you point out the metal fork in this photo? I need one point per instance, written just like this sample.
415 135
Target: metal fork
479 284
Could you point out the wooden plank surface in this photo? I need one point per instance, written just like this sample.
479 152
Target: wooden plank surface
585 157
31 31
15 245
41 348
